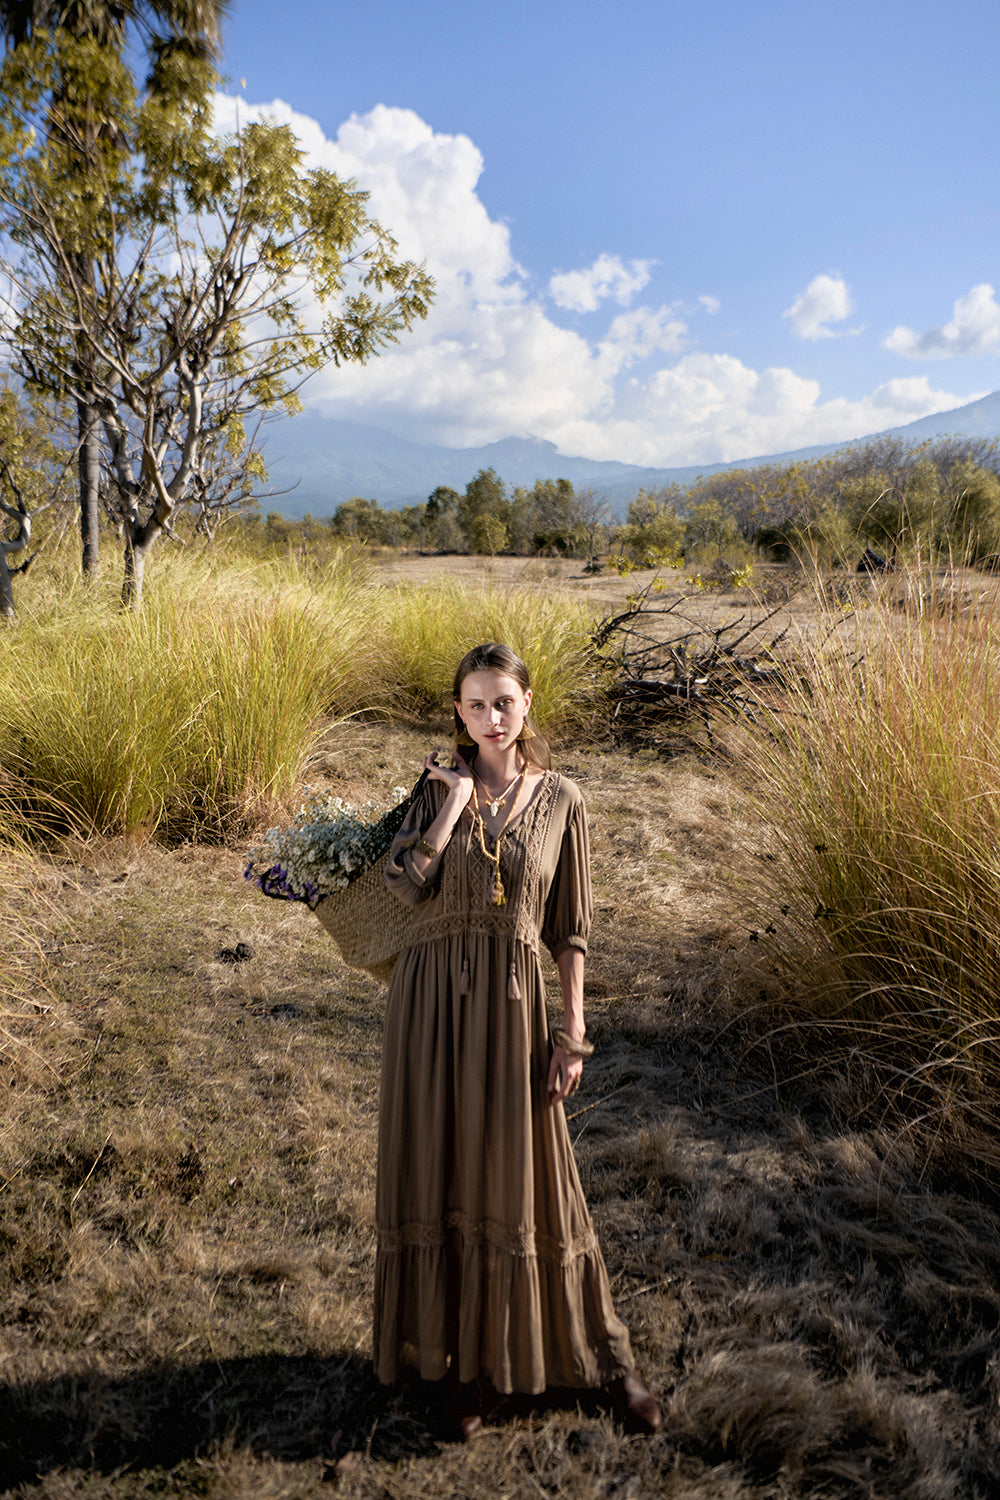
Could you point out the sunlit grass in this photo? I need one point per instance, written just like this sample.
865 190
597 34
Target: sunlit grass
429 630
195 714
196 717
91 727
882 790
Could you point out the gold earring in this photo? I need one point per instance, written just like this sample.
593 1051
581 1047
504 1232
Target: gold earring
525 732
463 737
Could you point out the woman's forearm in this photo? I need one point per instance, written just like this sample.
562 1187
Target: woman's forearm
441 830
570 966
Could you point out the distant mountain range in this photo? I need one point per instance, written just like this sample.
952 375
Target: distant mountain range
320 462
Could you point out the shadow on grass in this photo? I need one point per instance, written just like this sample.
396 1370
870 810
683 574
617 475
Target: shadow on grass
290 1408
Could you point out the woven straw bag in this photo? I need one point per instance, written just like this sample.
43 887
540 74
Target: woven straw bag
368 923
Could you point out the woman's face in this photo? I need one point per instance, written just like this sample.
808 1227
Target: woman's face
493 708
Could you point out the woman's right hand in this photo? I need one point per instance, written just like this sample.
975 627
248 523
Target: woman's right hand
457 778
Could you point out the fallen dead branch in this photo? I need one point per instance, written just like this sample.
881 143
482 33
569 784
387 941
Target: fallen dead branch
669 669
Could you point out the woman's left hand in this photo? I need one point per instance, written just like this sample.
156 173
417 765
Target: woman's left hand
565 1072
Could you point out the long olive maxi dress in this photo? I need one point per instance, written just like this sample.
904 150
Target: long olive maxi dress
487 1258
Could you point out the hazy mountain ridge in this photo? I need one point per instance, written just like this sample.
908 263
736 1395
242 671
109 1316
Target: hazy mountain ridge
322 462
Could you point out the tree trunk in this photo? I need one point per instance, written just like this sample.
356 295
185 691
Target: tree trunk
89 463
135 568
139 541
6 590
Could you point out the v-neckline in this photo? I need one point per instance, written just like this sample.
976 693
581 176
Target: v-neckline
517 817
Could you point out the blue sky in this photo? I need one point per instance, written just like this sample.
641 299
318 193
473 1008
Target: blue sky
660 234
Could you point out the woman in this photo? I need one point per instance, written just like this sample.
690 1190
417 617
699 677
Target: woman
487 1259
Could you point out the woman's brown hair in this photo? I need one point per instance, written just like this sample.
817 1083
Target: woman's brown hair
491 656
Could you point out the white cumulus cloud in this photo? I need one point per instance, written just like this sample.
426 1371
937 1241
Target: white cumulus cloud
639 333
710 304
974 329
609 278
492 361
825 300
710 408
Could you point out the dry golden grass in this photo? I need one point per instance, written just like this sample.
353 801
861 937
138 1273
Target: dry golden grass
186 1223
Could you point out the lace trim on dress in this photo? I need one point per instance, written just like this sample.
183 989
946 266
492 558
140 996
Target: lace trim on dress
464 901
481 923
527 1244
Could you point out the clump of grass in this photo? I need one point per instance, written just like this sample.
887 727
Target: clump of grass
429 630
196 715
90 733
882 798
266 677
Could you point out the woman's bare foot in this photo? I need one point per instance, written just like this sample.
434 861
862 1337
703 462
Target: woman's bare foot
642 1410
470 1427
463 1412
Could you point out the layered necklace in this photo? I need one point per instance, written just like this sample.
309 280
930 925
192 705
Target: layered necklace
501 801
493 857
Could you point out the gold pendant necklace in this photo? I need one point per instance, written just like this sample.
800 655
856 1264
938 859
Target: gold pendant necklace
495 803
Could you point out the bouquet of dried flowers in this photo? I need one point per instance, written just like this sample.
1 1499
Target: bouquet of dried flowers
331 856
327 845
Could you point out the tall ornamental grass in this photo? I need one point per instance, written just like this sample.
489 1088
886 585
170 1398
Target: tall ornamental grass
428 630
196 715
883 794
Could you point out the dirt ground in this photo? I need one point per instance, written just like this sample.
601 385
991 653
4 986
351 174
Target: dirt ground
187 1158
187 1154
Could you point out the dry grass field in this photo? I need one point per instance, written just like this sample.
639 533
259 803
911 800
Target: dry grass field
187 1157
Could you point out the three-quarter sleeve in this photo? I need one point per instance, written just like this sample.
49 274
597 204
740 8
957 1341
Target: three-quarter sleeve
569 906
403 880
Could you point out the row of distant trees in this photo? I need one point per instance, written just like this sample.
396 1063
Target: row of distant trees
942 498
939 498
550 518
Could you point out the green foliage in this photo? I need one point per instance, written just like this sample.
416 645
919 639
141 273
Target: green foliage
968 521
653 531
171 277
484 496
487 534
709 527
937 500
366 521
549 518
554 522
30 447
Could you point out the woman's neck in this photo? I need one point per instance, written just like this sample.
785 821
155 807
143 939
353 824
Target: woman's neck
496 770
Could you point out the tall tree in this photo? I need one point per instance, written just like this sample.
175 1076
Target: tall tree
168 29
219 273
482 512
